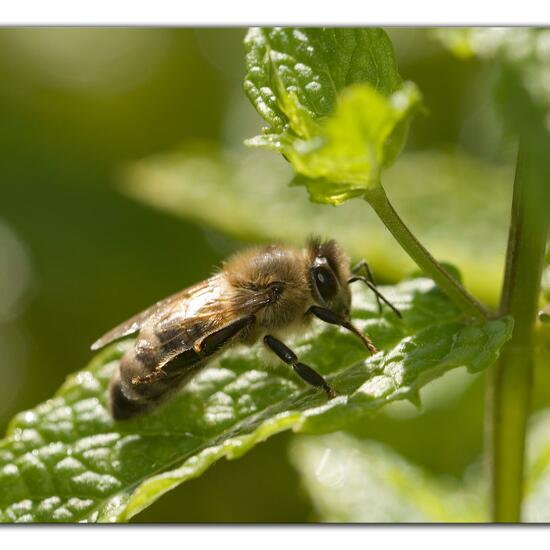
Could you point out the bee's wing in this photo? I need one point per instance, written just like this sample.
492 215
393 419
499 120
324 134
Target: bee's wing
182 335
196 292
207 319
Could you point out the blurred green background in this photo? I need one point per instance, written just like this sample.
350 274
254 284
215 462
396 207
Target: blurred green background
78 255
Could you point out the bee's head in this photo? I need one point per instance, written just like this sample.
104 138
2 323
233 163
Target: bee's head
328 276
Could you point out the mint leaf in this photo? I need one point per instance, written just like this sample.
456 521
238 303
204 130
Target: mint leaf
315 65
365 134
334 102
226 191
66 460
522 91
536 504
350 480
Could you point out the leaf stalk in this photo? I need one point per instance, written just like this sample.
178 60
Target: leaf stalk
379 201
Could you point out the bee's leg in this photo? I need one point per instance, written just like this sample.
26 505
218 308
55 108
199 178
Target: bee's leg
214 341
377 293
172 368
332 318
149 378
371 283
207 346
362 265
304 371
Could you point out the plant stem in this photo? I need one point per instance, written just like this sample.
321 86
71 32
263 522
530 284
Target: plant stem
378 199
509 384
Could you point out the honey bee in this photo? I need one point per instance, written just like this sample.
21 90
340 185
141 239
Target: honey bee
263 293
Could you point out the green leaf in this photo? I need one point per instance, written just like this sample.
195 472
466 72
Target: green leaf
335 104
365 134
351 480
226 191
536 505
513 45
315 65
66 460
522 57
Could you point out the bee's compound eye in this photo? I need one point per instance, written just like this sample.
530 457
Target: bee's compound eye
325 282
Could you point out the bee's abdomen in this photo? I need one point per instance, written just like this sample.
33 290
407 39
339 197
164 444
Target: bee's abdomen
129 398
123 408
139 386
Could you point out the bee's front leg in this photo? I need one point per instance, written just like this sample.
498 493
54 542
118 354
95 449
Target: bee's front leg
362 265
216 340
371 283
305 372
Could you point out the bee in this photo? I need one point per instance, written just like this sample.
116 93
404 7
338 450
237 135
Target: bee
264 293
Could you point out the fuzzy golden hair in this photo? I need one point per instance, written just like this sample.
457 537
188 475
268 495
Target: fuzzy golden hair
261 266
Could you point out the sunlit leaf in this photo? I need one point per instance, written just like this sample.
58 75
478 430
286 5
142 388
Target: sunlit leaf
351 480
316 65
334 102
66 460
536 506
522 92
347 155
228 191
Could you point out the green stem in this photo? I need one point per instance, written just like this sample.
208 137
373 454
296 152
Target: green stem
509 384
378 199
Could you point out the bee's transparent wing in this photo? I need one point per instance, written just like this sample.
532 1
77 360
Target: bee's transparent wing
136 322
